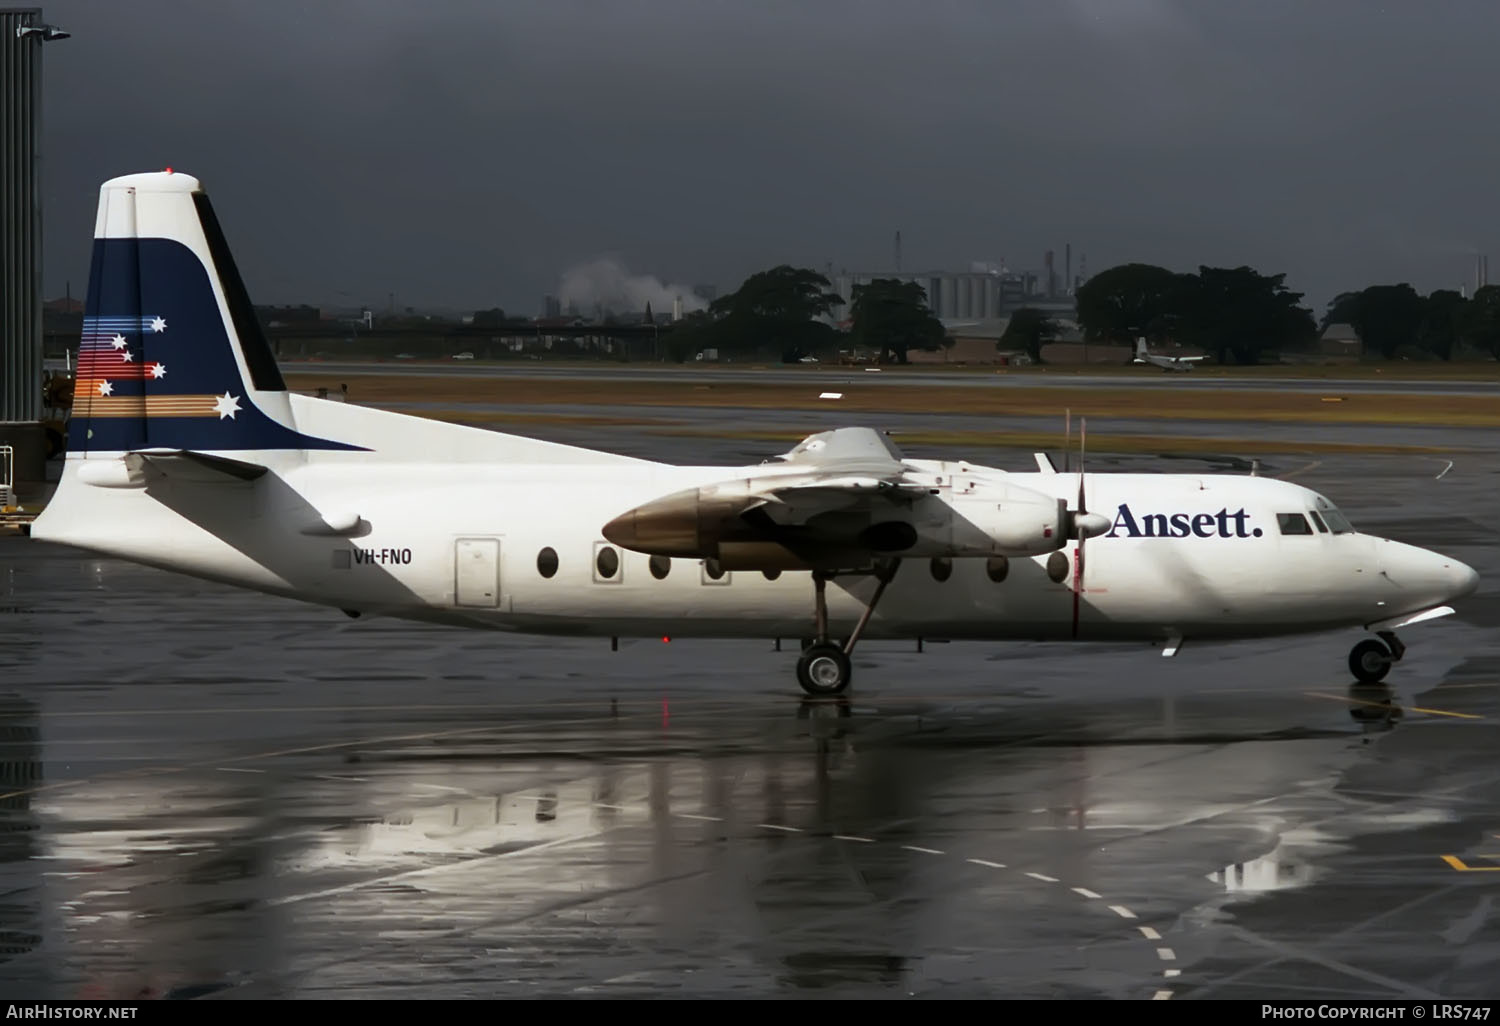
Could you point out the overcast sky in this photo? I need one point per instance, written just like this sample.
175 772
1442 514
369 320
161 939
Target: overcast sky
468 153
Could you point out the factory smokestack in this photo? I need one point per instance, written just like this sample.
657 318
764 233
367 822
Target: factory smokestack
1068 269
1051 275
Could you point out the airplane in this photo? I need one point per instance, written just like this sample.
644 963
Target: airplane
1167 363
188 453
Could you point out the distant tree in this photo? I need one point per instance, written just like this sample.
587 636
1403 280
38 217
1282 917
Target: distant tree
491 318
892 318
1028 329
1240 313
1130 301
1438 333
688 337
1341 310
1479 323
1387 317
776 309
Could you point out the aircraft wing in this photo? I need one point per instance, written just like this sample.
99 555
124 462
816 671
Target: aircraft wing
837 500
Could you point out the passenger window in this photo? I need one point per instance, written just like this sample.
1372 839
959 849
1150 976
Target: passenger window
997 567
1293 523
606 563
771 575
713 573
1318 521
942 568
546 562
660 567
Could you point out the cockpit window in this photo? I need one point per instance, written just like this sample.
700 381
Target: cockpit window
1317 521
1292 523
1336 521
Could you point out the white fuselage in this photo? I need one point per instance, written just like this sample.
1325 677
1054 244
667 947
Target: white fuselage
459 543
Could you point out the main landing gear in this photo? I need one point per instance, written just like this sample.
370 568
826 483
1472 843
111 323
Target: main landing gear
1371 660
824 667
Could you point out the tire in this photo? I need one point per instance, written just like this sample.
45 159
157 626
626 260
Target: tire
1370 661
823 670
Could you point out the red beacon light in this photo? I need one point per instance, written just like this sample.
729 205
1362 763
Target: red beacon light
169 170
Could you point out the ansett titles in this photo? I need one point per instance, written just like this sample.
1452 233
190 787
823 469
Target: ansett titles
382 556
1222 524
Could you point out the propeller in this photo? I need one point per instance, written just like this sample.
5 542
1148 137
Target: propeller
1082 524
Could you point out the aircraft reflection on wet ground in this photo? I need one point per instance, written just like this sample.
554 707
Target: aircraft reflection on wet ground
839 845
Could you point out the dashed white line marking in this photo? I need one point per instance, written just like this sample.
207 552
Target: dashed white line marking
443 787
1149 933
1122 911
1085 892
986 862
924 851
773 826
1166 954
237 769
606 805
1169 973
1042 877
1162 995
330 776
851 837
711 819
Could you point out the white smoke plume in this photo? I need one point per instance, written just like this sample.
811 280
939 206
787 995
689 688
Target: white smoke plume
607 284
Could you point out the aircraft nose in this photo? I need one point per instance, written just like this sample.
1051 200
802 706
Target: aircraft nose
1464 577
1437 575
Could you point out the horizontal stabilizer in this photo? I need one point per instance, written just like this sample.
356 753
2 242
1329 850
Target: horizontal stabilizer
194 466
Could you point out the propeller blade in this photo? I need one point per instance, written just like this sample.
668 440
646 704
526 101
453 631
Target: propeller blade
1067 439
1083 425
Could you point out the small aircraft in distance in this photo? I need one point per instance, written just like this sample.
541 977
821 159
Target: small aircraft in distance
187 452
1166 363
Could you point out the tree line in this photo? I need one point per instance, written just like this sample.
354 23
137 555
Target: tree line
1237 314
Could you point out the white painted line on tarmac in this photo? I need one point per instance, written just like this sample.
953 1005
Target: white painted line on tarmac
773 826
237 769
1148 933
711 819
1162 995
1042 877
1170 973
924 851
1085 892
851 837
986 862
1166 954
1122 911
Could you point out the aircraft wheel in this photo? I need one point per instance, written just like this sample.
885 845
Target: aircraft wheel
1370 661
823 670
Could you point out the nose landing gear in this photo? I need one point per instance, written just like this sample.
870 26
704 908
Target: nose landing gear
1371 660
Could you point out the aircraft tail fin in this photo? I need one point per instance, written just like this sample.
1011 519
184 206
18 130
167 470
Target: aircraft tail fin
1140 348
172 356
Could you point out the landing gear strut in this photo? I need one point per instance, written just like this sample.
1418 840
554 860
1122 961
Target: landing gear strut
824 667
1371 660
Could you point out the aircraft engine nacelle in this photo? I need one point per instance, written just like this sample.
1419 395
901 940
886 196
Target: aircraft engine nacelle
998 519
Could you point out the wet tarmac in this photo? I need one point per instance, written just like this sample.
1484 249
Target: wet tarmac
213 794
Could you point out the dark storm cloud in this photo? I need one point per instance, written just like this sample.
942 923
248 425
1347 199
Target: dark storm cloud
467 154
